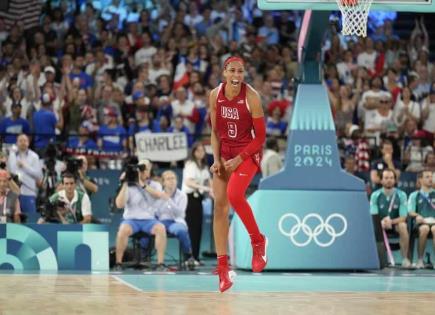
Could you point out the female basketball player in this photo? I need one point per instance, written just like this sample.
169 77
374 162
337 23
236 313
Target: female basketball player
237 138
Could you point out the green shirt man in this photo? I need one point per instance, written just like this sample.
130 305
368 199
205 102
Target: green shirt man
422 203
393 205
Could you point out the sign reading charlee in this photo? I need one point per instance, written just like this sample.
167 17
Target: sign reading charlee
161 147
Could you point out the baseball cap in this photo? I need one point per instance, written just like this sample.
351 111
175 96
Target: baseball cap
49 69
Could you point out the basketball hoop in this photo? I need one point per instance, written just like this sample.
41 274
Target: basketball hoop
354 16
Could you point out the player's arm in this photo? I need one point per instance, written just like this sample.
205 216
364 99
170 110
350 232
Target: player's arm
259 124
374 209
214 139
403 211
412 205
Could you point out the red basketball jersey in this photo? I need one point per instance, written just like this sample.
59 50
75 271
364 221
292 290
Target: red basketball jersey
234 124
233 118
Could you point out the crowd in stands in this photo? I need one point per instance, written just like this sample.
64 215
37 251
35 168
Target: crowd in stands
91 76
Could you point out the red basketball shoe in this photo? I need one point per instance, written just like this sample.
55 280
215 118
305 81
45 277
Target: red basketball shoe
259 255
226 277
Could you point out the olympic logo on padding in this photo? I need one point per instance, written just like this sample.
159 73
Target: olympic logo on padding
301 226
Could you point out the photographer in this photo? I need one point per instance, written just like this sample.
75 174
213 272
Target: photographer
78 167
9 205
138 198
13 181
69 205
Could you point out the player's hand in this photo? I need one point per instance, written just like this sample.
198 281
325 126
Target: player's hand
216 167
232 164
387 223
419 219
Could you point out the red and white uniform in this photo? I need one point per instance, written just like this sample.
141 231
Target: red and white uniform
234 123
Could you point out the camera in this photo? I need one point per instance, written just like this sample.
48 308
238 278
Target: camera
14 177
49 211
73 166
131 174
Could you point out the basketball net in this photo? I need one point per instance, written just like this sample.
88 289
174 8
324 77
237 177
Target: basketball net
354 16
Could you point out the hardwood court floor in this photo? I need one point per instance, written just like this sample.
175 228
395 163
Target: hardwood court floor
108 294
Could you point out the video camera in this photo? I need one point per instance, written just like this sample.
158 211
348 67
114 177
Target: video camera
132 174
14 177
131 170
49 211
73 166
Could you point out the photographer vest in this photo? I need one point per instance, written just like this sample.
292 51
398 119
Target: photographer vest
76 206
7 206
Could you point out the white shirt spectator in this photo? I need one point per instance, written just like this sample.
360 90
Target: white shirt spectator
154 74
367 60
185 109
193 20
144 55
25 105
29 174
173 208
192 171
345 72
429 123
413 108
367 94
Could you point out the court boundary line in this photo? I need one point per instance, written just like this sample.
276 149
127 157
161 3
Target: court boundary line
127 284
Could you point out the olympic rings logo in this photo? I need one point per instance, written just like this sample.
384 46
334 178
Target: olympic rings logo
301 226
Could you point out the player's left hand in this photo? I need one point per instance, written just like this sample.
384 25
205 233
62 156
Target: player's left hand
232 164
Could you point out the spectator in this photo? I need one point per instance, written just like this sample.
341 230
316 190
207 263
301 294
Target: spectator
271 162
184 107
428 113
171 212
275 125
429 162
142 123
25 163
112 137
82 140
14 125
390 204
139 215
378 120
385 162
268 32
75 204
44 123
421 207
179 126
406 108
367 58
414 154
196 184
10 210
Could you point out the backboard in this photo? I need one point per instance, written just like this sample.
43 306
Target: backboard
386 5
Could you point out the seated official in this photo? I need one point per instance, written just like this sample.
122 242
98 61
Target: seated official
136 197
9 204
390 204
421 206
69 205
171 211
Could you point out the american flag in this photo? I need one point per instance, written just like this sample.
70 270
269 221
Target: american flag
26 11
